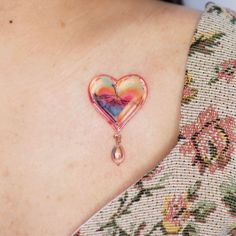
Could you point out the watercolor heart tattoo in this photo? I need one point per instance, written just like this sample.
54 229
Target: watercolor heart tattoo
117 100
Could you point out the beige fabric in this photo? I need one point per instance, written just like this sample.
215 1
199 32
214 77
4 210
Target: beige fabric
193 190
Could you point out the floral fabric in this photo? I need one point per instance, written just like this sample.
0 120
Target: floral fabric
192 192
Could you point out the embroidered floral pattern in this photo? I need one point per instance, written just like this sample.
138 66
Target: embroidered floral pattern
178 210
189 93
225 71
210 140
228 190
125 204
205 42
227 12
175 213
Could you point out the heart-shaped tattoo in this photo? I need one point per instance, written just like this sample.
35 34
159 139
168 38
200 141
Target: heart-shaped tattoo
117 100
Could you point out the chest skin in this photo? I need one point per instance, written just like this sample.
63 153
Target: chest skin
55 169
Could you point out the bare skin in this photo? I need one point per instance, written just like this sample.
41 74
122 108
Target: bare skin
55 166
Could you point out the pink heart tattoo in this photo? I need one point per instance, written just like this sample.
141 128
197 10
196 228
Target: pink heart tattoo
117 100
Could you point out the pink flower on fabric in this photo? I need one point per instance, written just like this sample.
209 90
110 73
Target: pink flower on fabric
209 140
189 92
227 70
175 213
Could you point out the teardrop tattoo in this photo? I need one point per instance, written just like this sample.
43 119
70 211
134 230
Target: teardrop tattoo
117 100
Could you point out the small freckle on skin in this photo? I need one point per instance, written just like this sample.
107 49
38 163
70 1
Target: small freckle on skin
62 24
10 21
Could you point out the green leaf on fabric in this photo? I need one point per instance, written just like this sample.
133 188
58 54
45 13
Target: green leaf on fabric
205 43
191 229
192 191
228 190
202 209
